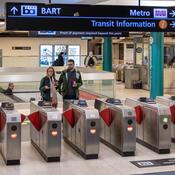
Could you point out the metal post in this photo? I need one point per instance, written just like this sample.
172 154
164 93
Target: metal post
156 64
107 54
139 3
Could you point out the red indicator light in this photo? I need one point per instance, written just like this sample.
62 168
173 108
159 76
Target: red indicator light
130 128
93 131
54 133
14 136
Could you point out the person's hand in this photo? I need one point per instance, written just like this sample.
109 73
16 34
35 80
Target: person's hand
74 84
56 83
46 87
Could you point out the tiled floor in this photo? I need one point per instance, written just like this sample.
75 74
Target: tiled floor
123 93
109 162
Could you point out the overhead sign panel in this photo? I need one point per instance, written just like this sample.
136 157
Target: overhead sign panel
84 18
78 34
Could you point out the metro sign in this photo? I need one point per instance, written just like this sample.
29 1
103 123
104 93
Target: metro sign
160 13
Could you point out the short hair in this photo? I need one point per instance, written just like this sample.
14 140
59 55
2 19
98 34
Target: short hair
71 61
61 53
10 84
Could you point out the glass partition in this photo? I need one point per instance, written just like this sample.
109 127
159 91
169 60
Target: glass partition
27 80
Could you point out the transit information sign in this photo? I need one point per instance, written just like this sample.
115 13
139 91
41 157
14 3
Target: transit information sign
93 18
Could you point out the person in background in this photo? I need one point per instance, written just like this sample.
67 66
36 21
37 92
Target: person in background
48 86
90 60
9 90
70 81
171 62
60 60
145 60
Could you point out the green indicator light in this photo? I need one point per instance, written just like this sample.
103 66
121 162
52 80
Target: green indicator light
165 120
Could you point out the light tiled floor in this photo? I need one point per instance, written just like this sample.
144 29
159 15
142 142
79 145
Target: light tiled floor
109 163
123 93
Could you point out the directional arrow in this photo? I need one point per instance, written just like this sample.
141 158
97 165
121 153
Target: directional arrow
14 10
173 24
172 13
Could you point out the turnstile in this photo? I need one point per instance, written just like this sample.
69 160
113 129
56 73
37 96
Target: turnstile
81 128
170 102
118 126
45 131
10 134
153 124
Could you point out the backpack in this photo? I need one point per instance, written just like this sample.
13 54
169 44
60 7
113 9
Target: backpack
91 62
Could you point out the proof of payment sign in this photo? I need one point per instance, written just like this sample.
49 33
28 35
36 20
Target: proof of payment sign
94 18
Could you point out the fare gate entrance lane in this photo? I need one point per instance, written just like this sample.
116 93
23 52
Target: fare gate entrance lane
45 131
10 133
81 128
153 124
118 126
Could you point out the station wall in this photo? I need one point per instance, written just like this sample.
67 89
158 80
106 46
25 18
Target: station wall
30 58
128 53
126 56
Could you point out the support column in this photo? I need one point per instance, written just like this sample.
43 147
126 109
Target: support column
156 64
107 54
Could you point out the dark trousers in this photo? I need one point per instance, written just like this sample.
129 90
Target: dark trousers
70 97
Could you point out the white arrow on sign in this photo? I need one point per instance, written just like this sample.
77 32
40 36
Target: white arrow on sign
14 10
173 24
172 13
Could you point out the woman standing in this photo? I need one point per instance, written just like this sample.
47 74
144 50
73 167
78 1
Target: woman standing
48 86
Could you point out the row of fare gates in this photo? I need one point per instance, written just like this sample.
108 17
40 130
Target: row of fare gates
115 123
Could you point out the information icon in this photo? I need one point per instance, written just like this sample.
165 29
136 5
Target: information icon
163 24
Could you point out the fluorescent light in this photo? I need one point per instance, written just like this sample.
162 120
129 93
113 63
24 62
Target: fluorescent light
2 23
65 2
119 2
143 2
157 3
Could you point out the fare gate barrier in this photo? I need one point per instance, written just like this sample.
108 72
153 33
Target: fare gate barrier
81 128
45 131
153 124
10 134
118 126
170 102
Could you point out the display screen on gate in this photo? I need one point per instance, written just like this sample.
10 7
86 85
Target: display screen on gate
97 19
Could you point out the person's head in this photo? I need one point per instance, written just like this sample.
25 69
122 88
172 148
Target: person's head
11 85
90 53
71 64
50 72
61 54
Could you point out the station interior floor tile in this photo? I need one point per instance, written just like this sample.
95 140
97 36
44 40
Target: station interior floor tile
123 93
109 163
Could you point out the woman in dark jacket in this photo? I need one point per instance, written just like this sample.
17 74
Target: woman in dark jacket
48 86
